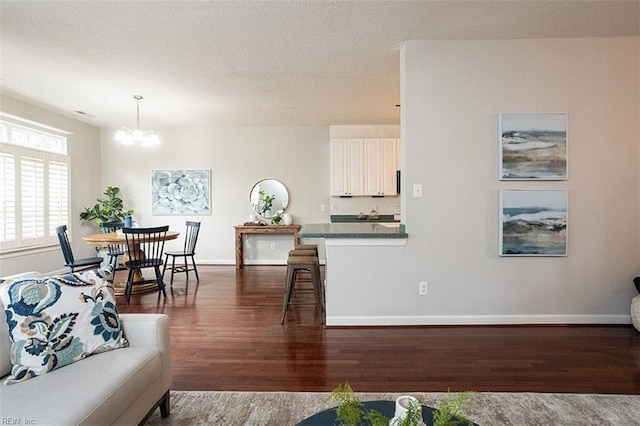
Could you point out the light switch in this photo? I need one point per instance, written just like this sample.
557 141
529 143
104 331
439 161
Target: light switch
417 190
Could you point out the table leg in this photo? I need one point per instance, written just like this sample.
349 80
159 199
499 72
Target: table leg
239 250
119 288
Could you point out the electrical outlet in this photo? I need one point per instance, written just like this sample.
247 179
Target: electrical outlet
334 207
322 207
397 210
273 246
423 288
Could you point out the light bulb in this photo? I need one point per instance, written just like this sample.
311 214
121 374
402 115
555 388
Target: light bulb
120 135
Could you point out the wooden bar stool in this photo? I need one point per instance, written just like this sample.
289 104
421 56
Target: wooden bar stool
295 264
313 247
303 252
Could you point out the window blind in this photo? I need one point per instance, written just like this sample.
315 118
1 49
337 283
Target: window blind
34 196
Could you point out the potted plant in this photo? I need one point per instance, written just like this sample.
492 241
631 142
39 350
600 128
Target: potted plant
110 209
452 411
264 202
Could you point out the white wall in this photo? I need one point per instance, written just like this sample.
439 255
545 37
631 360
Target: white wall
238 157
84 149
451 94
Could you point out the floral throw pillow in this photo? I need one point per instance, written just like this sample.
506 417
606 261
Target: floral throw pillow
55 321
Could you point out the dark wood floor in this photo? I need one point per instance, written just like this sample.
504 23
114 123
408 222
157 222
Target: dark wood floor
226 335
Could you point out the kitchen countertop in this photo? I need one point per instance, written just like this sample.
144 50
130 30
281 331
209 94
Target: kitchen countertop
353 230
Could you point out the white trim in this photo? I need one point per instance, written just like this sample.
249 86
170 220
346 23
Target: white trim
27 251
274 262
476 320
256 262
266 262
333 242
215 262
34 123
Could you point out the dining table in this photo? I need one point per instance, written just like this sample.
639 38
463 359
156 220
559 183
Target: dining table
105 238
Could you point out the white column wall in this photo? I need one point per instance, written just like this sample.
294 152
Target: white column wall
452 92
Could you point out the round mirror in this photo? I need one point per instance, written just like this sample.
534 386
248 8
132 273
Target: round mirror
268 198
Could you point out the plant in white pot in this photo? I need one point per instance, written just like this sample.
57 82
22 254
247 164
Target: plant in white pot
452 411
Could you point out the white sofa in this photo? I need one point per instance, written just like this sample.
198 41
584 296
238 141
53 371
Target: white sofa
123 386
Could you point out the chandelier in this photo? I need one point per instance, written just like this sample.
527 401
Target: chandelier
131 137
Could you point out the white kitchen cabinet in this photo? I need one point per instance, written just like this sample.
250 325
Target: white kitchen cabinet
380 166
347 175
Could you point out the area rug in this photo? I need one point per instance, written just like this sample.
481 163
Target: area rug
491 409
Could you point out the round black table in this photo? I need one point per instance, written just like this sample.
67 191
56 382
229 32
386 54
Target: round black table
388 408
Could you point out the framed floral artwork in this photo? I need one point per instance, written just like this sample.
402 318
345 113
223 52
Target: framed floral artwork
180 192
533 146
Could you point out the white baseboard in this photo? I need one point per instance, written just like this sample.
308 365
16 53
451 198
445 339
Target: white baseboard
476 320
215 262
248 262
277 262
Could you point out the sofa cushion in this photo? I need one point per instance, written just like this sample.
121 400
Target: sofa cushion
96 390
5 343
55 321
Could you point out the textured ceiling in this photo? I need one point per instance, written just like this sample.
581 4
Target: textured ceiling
204 63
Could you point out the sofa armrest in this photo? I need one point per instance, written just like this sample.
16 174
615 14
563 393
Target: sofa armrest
152 331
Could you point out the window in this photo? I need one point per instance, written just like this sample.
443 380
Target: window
34 186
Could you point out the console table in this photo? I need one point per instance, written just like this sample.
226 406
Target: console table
261 229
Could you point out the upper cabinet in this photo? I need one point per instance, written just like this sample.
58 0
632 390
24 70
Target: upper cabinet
364 166
380 166
347 175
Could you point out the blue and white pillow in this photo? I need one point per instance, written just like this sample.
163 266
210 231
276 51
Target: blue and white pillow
55 321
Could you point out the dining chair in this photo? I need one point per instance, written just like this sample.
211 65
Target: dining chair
144 248
189 250
69 261
114 250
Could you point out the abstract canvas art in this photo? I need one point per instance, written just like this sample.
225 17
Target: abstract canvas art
533 222
533 146
180 192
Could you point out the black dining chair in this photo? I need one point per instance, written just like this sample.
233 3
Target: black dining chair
114 250
189 250
145 247
69 261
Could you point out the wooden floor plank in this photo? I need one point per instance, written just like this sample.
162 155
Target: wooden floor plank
226 335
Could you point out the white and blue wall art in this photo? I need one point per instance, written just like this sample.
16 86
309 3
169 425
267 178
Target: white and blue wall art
533 222
180 192
533 146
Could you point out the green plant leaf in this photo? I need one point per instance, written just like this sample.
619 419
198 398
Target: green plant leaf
452 411
110 209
